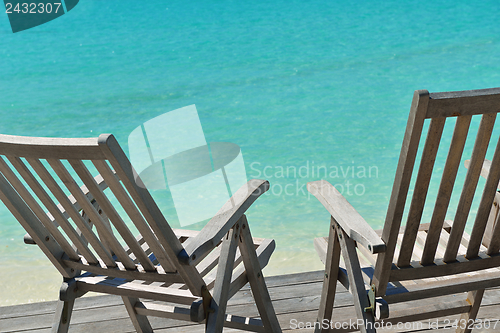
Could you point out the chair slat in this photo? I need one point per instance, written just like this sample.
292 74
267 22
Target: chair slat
72 212
445 188
465 202
400 188
112 214
419 245
136 217
55 212
421 187
150 211
32 225
97 220
494 245
465 103
484 209
37 210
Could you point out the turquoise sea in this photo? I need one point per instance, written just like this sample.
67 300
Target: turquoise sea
300 86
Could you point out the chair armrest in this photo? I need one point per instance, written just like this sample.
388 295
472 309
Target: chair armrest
485 170
346 216
196 248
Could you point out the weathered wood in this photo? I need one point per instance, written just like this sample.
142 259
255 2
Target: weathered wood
63 313
55 212
60 148
217 312
400 188
37 210
463 103
357 285
421 187
150 211
330 281
442 268
30 223
72 212
457 284
134 215
485 170
240 276
474 299
469 188
494 245
256 279
113 215
342 211
495 208
446 188
295 297
136 289
225 218
139 320
121 272
490 189
97 220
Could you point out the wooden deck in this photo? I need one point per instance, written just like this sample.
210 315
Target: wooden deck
295 298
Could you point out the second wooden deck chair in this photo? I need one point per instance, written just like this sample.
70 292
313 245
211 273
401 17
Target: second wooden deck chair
78 201
431 257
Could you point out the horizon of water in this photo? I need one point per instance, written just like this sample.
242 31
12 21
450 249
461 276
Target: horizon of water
299 87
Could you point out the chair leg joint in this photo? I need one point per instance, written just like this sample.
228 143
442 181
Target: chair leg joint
69 290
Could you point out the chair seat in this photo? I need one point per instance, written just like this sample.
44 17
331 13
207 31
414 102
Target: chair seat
174 292
420 288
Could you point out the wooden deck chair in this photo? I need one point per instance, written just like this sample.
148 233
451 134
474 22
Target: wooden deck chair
76 198
430 257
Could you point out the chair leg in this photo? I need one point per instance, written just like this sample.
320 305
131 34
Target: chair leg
217 314
63 316
474 298
356 283
329 281
140 322
256 280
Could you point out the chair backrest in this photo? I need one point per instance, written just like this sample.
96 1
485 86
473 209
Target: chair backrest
429 113
58 189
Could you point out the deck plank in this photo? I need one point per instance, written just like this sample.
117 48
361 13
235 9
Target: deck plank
295 298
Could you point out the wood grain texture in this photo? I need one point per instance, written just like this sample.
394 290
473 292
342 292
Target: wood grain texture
469 188
356 283
224 220
342 212
332 261
420 190
464 103
135 216
150 211
111 214
216 317
60 148
256 279
446 188
400 188
485 205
